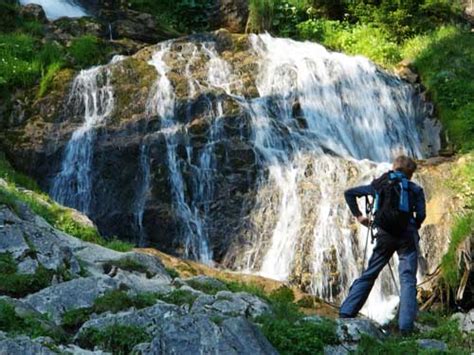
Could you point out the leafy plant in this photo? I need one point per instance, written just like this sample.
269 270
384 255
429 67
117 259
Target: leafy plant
178 297
87 50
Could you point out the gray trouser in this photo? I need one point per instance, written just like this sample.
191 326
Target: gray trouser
406 248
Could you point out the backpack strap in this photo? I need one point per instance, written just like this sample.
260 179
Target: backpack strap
404 205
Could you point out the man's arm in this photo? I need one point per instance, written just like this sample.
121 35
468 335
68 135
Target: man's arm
351 197
420 207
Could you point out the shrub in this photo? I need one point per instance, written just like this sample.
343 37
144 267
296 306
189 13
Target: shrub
73 319
172 272
47 79
118 339
129 264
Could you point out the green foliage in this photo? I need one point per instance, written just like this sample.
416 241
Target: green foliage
206 287
47 79
129 264
10 322
19 285
463 229
118 339
254 289
87 51
119 245
260 15
445 61
178 297
185 16
73 319
172 272
112 301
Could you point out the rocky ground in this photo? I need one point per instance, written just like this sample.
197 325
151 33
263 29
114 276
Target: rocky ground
94 299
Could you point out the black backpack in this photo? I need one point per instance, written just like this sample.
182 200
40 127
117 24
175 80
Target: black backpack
392 202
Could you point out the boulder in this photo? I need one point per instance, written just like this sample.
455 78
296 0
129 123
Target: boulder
150 318
21 345
198 334
350 330
432 345
78 293
33 12
229 304
33 242
465 320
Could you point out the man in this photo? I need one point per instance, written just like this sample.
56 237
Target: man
401 237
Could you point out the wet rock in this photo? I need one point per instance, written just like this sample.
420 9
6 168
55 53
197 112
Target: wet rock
432 344
21 345
78 293
65 29
33 12
466 321
198 334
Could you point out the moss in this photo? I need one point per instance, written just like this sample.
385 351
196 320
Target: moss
118 339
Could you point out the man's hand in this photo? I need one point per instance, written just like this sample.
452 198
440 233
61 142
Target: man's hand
363 220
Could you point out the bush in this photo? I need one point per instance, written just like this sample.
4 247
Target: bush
119 245
118 339
129 264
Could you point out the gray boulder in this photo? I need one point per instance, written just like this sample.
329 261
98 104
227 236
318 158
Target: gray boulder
350 330
432 344
465 320
150 318
78 293
202 283
198 334
226 303
33 242
21 345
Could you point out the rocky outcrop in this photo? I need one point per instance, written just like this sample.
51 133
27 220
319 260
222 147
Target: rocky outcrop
230 14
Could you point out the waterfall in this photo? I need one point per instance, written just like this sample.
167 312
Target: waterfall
191 208
351 120
55 9
316 123
92 98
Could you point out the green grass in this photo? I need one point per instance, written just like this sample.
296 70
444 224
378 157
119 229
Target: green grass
129 264
87 51
445 61
119 245
450 267
172 272
19 285
178 297
11 323
206 287
118 339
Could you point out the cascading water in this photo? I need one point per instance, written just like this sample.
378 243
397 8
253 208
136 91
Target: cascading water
92 97
316 123
192 210
347 108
